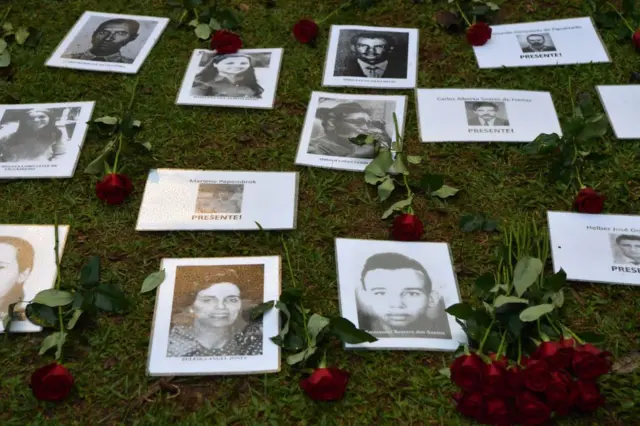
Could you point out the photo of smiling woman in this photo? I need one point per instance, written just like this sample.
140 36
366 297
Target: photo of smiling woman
395 298
16 264
210 314
232 76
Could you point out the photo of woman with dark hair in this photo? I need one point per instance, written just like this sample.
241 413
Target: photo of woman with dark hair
232 76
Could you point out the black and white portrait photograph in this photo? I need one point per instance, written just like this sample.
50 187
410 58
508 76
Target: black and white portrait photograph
247 78
536 42
596 248
619 102
27 266
216 200
371 57
202 322
487 114
42 140
219 198
108 42
334 119
398 292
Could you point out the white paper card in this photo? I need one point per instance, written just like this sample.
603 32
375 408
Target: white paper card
202 323
27 266
598 248
218 200
485 115
620 103
333 118
531 44
42 140
108 42
398 292
377 57
246 79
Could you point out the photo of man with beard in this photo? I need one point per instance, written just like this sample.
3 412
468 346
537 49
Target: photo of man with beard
532 43
107 40
486 114
372 55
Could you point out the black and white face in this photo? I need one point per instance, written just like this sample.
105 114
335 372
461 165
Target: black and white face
233 65
536 41
486 112
111 37
371 50
218 306
10 273
630 248
38 119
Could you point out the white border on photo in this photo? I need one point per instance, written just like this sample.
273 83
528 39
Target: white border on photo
620 103
575 40
303 158
44 271
330 80
57 61
351 255
584 246
443 115
269 199
65 165
159 364
267 78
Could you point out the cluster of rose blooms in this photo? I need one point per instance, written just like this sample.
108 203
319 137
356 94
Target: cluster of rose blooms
558 378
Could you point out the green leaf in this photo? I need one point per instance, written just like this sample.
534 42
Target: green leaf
399 166
542 144
431 183
74 318
485 282
90 273
381 164
503 300
42 315
490 225
110 298
556 282
53 298
203 31
558 298
526 273
21 35
445 372
445 191
259 310
464 311
145 145
315 325
284 329
193 23
7 27
228 19
301 356
532 313
385 189
51 341
348 332
108 120
8 318
290 296
5 59
414 159
3 45
152 281
96 167
397 206
469 223
214 24
371 178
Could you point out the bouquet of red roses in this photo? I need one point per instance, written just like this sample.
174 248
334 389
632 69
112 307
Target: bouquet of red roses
558 378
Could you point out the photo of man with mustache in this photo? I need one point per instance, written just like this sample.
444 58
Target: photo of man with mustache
107 40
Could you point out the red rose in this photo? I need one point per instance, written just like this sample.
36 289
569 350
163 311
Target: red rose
531 411
52 382
478 34
560 392
114 188
467 371
305 31
497 412
590 362
471 404
537 375
557 354
589 201
225 42
588 397
636 40
514 380
495 376
326 384
407 227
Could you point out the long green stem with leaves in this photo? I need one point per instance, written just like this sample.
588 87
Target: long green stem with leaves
293 281
58 277
127 111
462 14
486 336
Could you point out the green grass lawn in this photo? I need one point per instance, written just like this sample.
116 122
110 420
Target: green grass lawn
398 388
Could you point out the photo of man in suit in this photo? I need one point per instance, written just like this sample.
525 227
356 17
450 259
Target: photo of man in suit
537 43
107 40
373 55
629 247
486 114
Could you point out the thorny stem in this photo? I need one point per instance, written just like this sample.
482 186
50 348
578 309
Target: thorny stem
462 14
620 15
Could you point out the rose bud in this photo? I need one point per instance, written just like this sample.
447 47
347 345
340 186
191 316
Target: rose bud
559 393
589 362
635 39
471 404
536 375
495 376
557 354
478 34
589 201
588 397
467 371
407 227
306 31
531 410
114 188
225 42
497 412
53 382
326 384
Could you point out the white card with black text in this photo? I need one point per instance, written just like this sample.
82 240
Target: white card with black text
620 103
485 115
532 44
597 248
398 292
